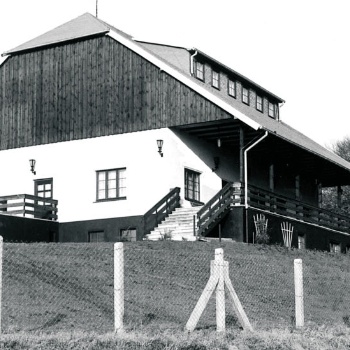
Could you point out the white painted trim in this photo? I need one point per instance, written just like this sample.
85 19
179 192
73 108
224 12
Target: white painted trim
184 79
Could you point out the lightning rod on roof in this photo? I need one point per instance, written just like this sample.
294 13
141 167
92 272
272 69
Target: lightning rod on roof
96 8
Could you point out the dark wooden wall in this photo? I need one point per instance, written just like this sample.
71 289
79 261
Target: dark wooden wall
90 88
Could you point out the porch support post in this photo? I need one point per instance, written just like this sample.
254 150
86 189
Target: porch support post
319 194
241 155
272 177
245 159
339 196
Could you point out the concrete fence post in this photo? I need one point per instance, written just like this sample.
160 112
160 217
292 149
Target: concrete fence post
118 286
1 259
220 291
299 293
219 278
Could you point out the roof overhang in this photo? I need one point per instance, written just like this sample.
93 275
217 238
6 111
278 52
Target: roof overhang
276 148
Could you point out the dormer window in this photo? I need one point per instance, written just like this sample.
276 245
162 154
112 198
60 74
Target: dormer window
259 103
215 79
232 88
272 113
245 95
200 71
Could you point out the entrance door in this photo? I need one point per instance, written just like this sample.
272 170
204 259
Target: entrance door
43 188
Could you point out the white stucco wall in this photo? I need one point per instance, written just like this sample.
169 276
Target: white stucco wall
73 165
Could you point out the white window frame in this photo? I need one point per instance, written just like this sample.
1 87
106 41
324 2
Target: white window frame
245 95
128 234
215 79
200 71
272 112
105 186
335 247
259 103
232 88
96 236
192 187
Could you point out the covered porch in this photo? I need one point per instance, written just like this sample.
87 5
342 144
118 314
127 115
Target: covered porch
274 170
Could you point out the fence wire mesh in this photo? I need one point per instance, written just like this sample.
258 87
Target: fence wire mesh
64 287
49 287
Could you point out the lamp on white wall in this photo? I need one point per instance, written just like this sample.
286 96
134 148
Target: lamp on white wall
160 146
32 166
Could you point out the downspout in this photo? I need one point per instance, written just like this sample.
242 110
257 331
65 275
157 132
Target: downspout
246 176
192 62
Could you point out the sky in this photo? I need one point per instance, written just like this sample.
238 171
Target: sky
296 49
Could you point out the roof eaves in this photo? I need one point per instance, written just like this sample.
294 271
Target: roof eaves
134 46
339 162
251 82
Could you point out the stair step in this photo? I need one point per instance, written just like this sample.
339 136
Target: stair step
179 225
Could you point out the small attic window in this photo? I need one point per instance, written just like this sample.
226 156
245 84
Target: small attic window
200 71
232 88
272 112
259 103
245 95
215 79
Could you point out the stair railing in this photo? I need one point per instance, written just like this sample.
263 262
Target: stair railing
153 217
217 207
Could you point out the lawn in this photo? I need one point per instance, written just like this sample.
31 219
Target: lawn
55 289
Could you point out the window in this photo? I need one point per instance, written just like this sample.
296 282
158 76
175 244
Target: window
200 71
128 235
259 103
215 81
110 184
192 191
96 236
301 241
232 88
334 247
271 110
43 188
245 95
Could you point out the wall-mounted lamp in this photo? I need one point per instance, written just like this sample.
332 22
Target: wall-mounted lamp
216 163
219 142
160 146
32 166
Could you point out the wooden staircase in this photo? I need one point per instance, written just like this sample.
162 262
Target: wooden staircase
177 226
217 208
189 224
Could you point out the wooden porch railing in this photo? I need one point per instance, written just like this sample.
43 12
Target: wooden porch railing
262 199
217 207
161 210
28 205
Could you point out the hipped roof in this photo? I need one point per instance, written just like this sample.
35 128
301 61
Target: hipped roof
164 56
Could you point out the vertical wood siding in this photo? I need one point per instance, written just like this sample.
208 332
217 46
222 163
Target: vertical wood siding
90 88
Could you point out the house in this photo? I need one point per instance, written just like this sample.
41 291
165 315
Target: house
102 137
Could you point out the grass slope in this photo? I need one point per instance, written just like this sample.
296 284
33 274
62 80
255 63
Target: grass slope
69 287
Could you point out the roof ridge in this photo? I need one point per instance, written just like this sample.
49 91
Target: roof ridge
79 27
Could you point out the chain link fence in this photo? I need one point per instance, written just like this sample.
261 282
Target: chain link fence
70 286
